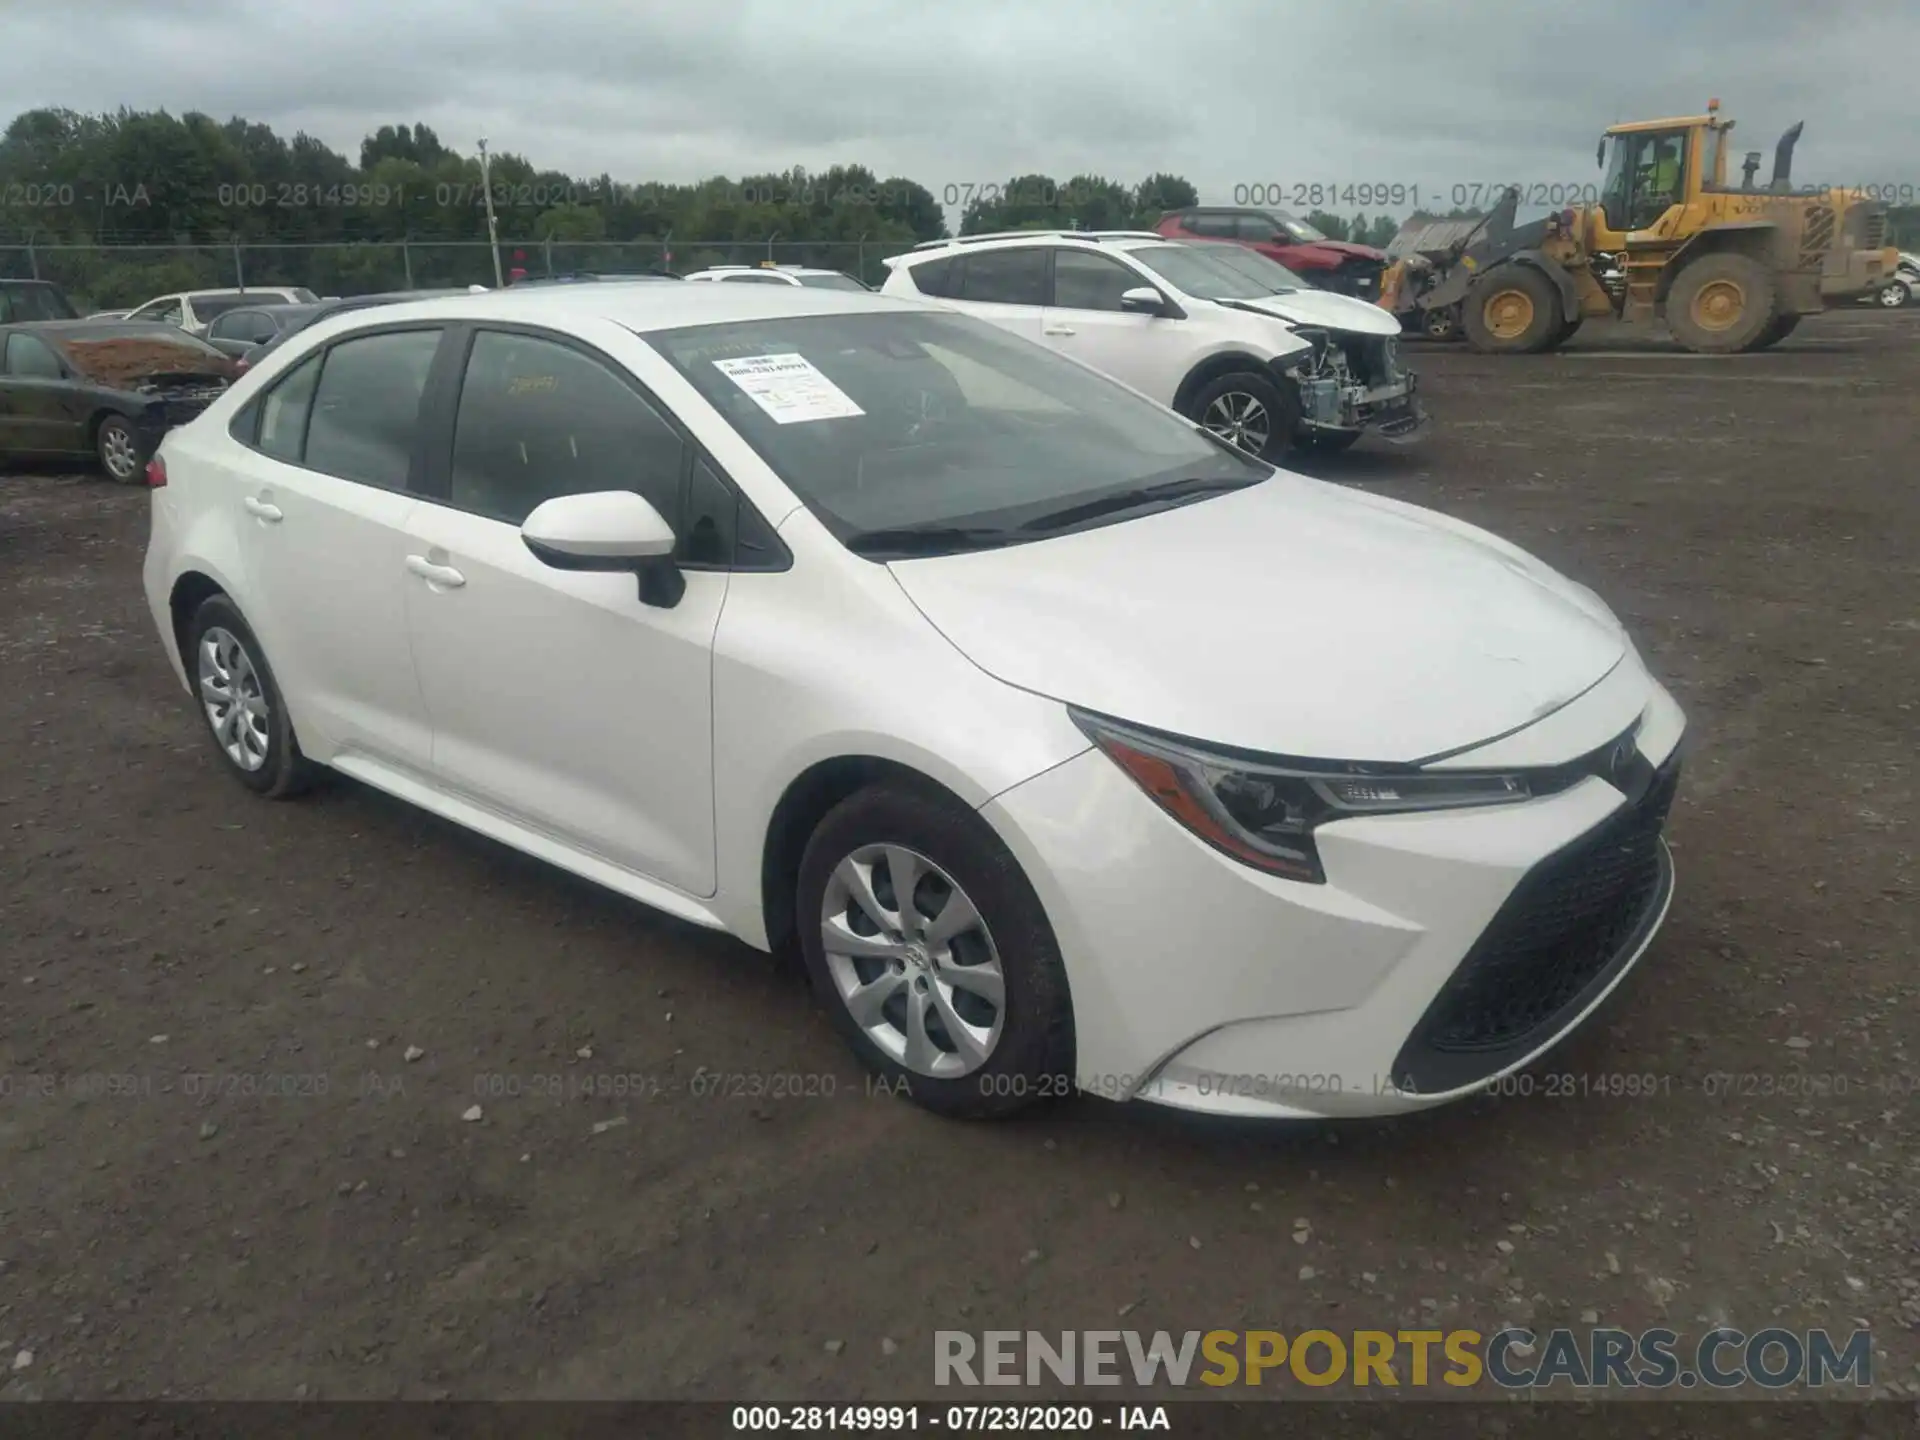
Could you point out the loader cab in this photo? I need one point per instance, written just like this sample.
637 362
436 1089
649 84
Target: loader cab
1651 169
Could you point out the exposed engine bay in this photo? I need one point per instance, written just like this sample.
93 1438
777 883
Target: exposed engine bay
1355 382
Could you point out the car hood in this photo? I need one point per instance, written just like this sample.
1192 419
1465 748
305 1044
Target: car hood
1330 252
1324 309
1291 618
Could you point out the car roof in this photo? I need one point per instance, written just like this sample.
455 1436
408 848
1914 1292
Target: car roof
768 270
1001 240
640 308
15 284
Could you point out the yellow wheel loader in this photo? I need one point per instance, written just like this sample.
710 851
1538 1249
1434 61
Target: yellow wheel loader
1727 267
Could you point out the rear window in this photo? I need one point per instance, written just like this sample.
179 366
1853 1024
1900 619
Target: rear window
206 306
33 302
831 282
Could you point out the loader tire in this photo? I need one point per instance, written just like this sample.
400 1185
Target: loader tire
1565 333
1722 304
1782 326
1512 310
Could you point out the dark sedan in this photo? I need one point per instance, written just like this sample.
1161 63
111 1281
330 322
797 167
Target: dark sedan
248 334
105 388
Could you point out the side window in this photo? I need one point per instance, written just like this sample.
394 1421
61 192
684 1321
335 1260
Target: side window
166 312
1254 227
754 279
707 537
1085 281
1006 277
28 355
539 419
284 410
366 408
932 277
1218 226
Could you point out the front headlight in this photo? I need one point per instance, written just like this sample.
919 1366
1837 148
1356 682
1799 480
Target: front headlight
1264 813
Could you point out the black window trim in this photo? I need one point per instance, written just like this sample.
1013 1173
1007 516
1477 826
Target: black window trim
248 434
440 414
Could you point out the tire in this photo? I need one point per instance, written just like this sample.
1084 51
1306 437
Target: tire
121 452
1567 331
272 765
1222 399
1328 442
1442 323
1513 309
1722 304
1782 326
1894 295
1028 1039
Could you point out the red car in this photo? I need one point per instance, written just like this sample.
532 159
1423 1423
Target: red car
1327 264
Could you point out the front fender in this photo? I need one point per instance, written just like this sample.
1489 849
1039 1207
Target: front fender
1562 282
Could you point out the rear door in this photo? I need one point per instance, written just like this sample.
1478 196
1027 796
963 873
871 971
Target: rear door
1005 286
324 503
557 697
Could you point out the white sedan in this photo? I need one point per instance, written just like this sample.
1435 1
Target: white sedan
1072 747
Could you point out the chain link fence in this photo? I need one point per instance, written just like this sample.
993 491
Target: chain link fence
103 277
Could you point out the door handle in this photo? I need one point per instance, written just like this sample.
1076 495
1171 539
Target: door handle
442 575
260 509
1058 330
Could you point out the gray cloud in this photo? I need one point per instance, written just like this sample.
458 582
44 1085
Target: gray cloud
1226 92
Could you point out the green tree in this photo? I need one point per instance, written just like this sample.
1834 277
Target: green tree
1331 226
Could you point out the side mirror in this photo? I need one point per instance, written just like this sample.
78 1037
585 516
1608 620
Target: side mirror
1144 300
613 530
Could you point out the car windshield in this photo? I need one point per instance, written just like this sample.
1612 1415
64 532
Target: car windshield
831 282
899 422
1297 229
1277 278
1197 271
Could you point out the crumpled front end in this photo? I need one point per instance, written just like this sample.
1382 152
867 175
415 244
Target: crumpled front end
1357 384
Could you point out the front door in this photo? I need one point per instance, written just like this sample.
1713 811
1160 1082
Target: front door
557 697
1085 322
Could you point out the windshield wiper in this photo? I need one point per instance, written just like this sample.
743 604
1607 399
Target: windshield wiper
1166 490
905 541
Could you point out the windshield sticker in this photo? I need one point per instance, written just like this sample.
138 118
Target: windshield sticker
789 388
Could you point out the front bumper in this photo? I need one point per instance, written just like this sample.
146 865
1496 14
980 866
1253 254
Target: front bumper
1444 951
1391 410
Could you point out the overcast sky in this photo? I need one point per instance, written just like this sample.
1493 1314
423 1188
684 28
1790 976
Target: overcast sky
1226 92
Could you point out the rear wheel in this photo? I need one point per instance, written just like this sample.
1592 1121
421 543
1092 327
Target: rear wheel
929 948
1722 304
1782 326
1249 410
1895 294
1512 310
241 703
120 449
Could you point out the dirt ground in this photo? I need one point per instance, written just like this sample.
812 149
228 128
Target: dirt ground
238 1039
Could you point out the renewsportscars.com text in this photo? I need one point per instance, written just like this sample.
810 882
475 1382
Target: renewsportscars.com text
1511 1359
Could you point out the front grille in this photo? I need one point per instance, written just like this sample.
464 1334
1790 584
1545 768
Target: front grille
1568 926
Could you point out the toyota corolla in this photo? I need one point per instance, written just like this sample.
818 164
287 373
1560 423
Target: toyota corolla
1072 747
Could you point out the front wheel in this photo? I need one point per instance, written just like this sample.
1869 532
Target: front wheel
1895 295
1782 326
1249 410
932 953
1512 310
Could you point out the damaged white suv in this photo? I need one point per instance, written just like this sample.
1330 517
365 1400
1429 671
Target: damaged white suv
1266 367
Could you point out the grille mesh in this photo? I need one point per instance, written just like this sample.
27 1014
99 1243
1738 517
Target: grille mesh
1566 922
